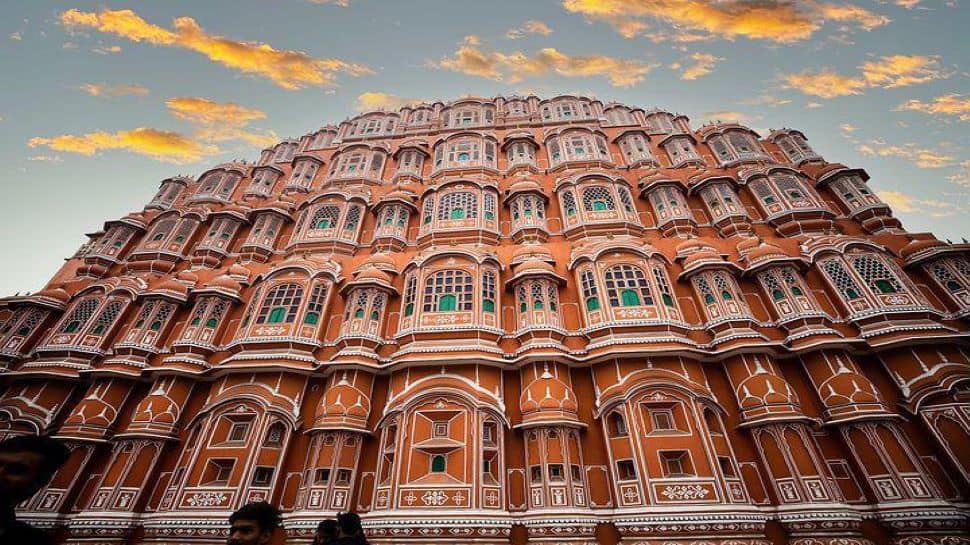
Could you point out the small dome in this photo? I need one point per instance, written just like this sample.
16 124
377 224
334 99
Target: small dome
748 244
136 217
764 252
917 246
56 294
224 282
237 270
188 277
528 252
548 394
374 274
399 195
525 185
699 257
381 260
693 245
172 286
533 266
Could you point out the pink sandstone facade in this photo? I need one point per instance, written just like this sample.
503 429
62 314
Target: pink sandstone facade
506 320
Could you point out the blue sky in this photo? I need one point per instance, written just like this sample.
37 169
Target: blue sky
102 100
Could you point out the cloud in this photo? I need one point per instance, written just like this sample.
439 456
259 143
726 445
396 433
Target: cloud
947 105
514 67
781 21
908 4
812 105
287 69
16 36
847 128
170 147
340 3
887 72
106 90
922 157
703 65
529 27
373 100
909 204
46 158
726 115
765 100
107 49
219 121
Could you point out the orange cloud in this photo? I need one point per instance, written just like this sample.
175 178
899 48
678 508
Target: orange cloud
946 105
514 67
529 27
288 69
170 147
703 65
105 90
220 121
886 72
919 156
909 204
372 100
782 21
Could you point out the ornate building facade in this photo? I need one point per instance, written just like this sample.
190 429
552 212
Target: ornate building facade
507 320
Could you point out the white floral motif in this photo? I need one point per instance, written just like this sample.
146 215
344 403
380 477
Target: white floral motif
435 497
206 499
685 492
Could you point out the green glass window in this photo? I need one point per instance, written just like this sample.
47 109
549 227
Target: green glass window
629 298
438 464
323 224
276 315
523 307
851 293
211 322
795 290
98 330
409 309
708 299
953 285
885 286
458 214
359 313
156 326
72 327
537 305
667 299
374 315
599 205
552 305
726 295
311 318
777 295
488 305
592 303
195 321
446 303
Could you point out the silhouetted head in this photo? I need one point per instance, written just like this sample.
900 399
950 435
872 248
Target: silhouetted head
253 524
27 463
327 531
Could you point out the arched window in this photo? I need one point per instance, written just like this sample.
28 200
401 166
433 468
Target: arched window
876 274
449 290
598 198
281 304
569 203
79 316
488 291
274 435
108 315
952 273
590 291
410 292
458 205
843 281
627 286
681 151
617 425
438 464
314 309
325 217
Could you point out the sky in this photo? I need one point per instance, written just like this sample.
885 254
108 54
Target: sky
103 100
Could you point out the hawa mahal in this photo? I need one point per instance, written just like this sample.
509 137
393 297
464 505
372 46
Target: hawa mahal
507 320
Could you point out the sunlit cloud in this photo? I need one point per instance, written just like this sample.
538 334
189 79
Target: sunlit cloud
703 65
920 156
286 68
16 36
813 105
886 72
781 21
46 158
953 105
341 3
908 4
220 121
847 129
373 100
726 115
107 50
909 204
514 67
106 90
765 100
167 146
529 27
